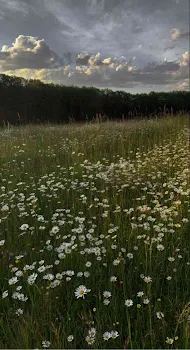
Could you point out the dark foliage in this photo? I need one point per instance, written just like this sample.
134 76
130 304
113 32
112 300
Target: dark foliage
26 101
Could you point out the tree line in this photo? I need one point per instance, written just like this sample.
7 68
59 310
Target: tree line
32 101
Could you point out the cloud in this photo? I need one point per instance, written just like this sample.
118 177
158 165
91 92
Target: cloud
183 71
178 34
110 73
30 52
82 59
185 60
182 85
32 58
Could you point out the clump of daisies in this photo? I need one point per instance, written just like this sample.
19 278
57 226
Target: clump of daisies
113 334
90 338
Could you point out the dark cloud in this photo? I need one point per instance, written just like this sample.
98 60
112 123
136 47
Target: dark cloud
82 59
95 34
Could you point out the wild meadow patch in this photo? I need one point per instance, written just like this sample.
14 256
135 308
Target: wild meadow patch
94 235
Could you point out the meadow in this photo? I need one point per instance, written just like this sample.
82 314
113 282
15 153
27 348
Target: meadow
95 235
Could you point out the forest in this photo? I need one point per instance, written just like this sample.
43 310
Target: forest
32 101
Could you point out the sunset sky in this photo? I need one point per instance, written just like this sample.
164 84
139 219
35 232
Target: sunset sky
131 45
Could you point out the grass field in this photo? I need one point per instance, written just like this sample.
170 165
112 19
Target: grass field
95 235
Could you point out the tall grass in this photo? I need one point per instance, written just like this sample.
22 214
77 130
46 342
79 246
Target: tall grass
106 207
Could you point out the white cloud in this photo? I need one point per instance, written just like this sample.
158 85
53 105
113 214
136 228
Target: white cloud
182 85
175 33
28 52
185 59
178 34
32 58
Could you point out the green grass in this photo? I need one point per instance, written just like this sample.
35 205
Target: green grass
118 193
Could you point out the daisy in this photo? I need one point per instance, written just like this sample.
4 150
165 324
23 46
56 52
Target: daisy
169 341
5 294
90 340
46 344
24 227
128 302
107 294
113 279
19 312
148 279
70 338
114 334
159 315
81 291
106 335
171 259
13 280
92 332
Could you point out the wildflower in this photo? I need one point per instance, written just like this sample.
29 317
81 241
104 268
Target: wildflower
79 274
171 259
81 291
13 280
48 276
146 301
19 288
24 227
128 302
106 301
113 279
46 344
140 294
41 269
70 338
19 312
92 332
160 247
55 229
169 341
169 278
31 279
41 262
5 294
107 294
86 274
88 264
5 207
130 255
159 315
147 279
89 340
114 334
2 242
116 262
106 336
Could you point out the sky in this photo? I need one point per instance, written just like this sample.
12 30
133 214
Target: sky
131 45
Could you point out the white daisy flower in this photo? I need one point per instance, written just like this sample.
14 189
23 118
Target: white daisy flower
128 302
81 291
